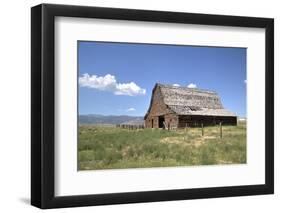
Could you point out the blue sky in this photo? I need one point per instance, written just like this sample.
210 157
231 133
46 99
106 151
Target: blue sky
118 78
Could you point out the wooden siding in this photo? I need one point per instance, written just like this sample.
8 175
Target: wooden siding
157 108
187 120
171 120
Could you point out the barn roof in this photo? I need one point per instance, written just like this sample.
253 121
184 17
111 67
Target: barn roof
192 101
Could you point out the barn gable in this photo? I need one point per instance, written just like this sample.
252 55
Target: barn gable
157 108
157 105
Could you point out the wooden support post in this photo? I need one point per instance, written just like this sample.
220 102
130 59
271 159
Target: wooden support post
202 128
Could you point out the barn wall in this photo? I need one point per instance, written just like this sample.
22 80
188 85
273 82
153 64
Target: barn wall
158 108
228 120
151 119
185 120
171 120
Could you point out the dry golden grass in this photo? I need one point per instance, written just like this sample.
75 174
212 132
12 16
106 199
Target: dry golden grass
108 147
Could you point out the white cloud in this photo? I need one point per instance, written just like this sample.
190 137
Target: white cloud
191 85
131 109
176 85
109 83
129 89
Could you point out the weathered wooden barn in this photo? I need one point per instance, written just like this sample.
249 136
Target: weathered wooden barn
178 107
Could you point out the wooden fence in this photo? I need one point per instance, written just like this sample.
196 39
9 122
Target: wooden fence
141 126
130 126
202 129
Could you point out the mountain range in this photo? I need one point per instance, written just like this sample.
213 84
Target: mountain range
110 119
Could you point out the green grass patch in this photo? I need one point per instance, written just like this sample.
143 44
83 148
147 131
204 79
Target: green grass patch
108 147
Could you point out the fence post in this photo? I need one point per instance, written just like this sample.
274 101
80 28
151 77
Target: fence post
186 131
220 130
202 128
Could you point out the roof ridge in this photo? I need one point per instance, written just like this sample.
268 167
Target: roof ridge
186 88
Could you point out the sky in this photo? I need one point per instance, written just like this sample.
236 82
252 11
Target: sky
118 78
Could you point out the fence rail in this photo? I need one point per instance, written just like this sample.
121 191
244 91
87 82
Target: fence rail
130 126
141 126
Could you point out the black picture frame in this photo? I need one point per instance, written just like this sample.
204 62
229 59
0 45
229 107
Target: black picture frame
43 101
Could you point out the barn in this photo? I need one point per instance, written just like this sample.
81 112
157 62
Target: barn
179 107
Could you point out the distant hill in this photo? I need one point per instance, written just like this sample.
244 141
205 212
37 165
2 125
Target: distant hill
110 119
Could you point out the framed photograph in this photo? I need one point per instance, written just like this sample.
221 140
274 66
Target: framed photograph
139 106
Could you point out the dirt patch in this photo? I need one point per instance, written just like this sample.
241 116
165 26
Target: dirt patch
224 162
173 140
185 141
208 137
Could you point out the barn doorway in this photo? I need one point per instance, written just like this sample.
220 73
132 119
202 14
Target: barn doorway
161 122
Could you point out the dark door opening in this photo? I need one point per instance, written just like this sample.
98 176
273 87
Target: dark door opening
161 122
151 123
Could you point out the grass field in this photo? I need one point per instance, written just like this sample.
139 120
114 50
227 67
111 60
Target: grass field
108 147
